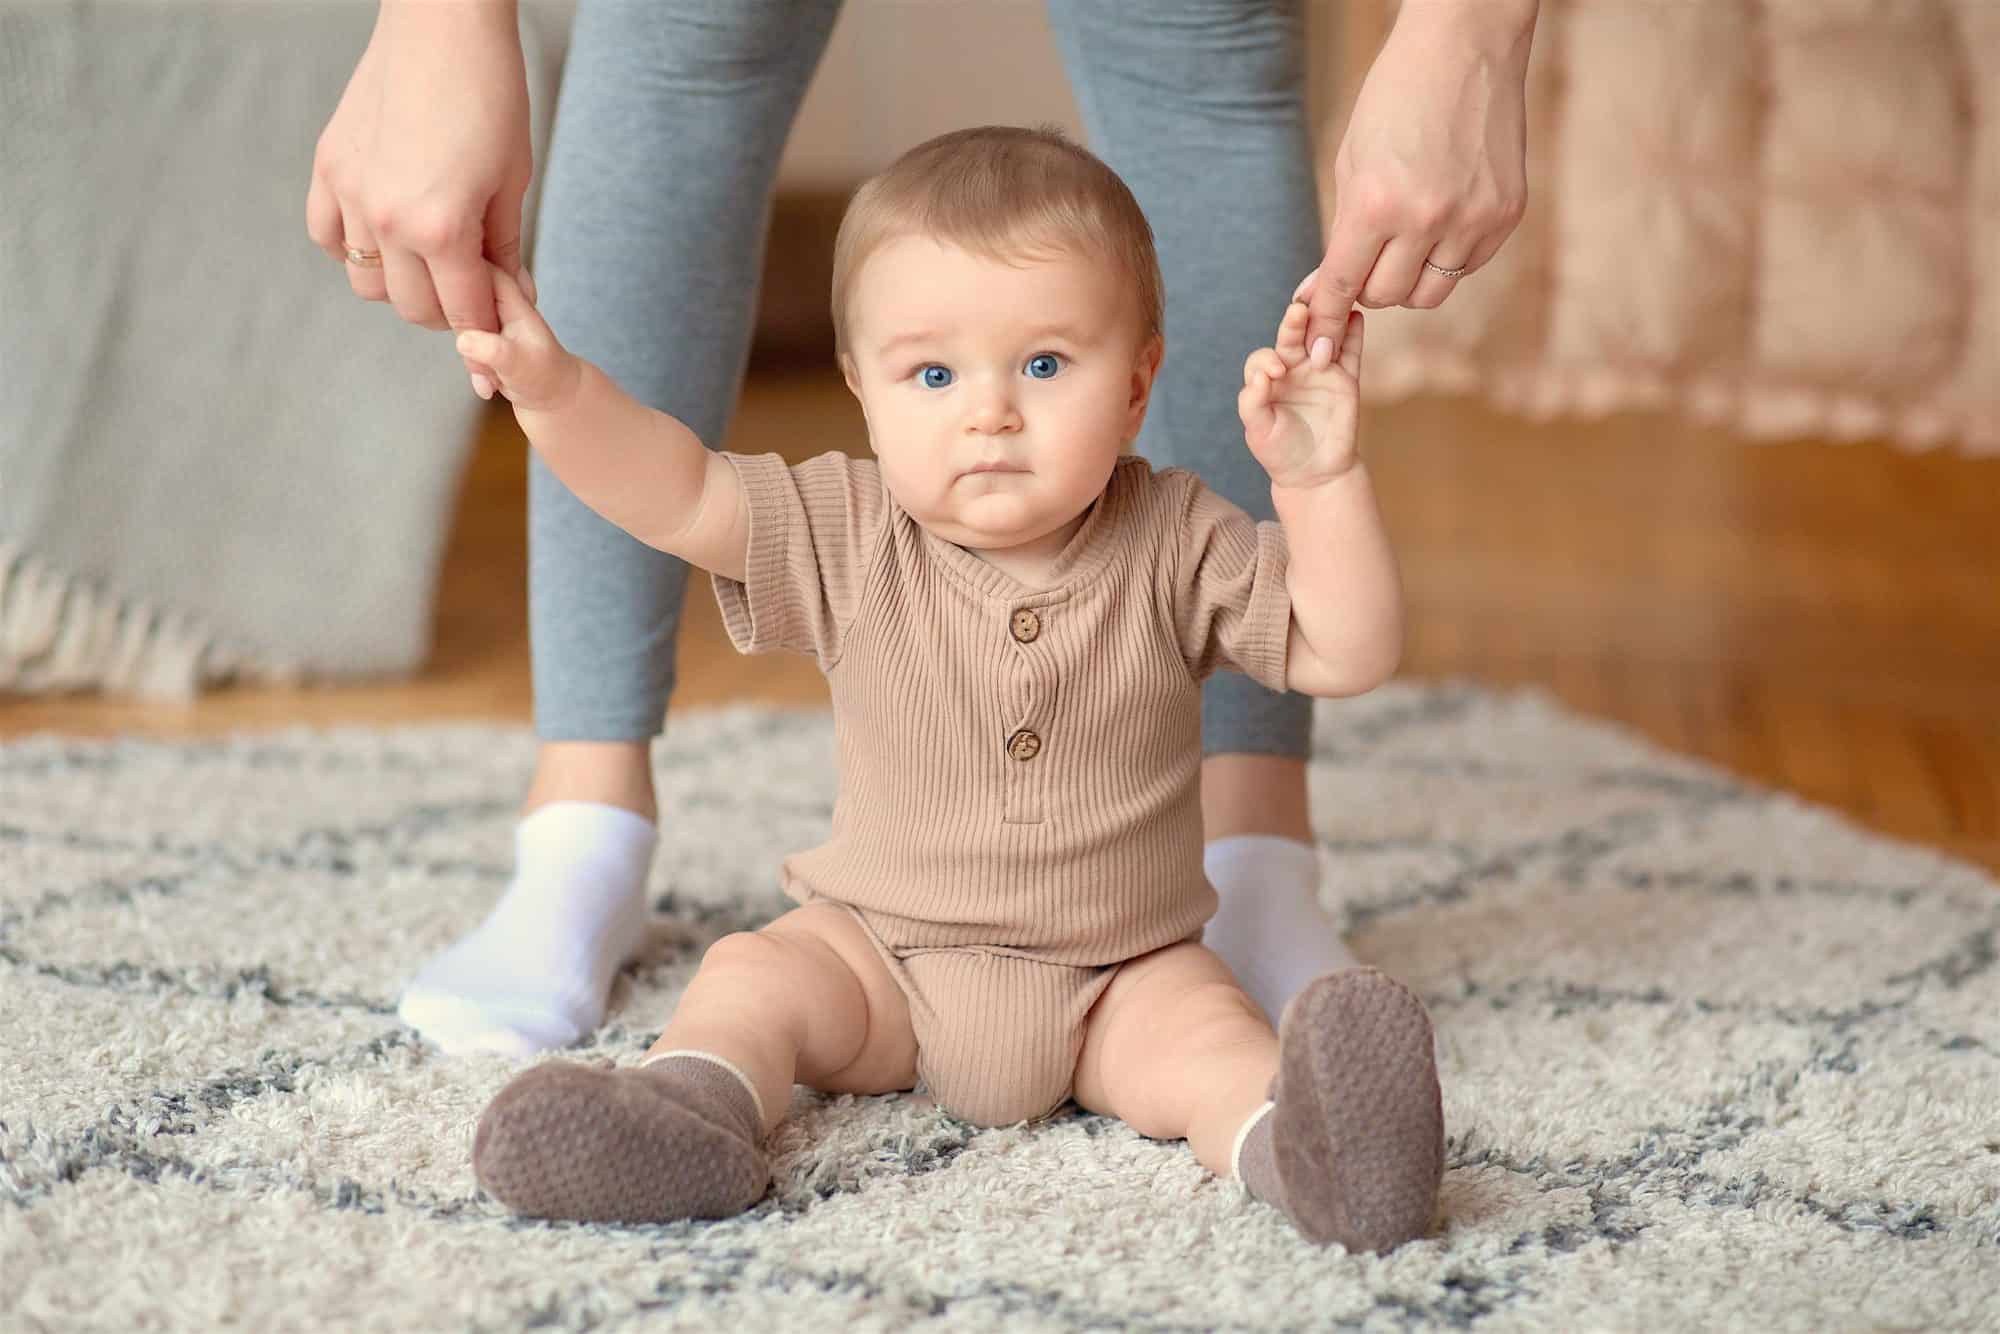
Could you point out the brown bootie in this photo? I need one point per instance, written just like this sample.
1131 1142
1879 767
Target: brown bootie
680 1137
1353 1150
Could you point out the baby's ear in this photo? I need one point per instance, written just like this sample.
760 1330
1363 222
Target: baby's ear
1144 367
850 374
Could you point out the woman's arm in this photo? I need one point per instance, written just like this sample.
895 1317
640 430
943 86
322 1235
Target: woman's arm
1433 166
424 162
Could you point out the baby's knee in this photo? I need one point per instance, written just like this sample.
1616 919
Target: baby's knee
1216 1013
743 952
762 971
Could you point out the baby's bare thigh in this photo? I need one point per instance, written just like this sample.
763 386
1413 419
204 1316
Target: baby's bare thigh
1171 1025
884 1058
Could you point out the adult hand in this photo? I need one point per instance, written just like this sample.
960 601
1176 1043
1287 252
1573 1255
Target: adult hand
425 161
1433 165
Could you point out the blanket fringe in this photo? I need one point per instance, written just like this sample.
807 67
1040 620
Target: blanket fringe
61 632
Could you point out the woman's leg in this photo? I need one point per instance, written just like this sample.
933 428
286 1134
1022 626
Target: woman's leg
672 117
1201 108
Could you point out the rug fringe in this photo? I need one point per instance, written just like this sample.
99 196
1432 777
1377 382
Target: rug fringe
61 632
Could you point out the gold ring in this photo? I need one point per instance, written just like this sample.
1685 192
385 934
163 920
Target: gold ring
1440 271
365 259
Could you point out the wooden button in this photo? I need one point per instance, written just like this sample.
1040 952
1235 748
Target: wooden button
1024 745
1026 626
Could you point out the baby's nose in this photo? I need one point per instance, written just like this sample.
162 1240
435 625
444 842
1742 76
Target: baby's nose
993 413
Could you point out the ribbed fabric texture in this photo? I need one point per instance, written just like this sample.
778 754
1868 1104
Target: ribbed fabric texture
998 1036
1018 768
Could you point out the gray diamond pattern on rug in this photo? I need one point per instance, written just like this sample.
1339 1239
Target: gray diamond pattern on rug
1712 1058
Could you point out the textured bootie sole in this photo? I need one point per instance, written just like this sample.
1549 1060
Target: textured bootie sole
612 1146
1358 1130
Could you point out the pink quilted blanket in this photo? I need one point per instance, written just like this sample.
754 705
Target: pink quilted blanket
1778 215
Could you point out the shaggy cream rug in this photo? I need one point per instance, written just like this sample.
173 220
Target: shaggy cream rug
1712 1059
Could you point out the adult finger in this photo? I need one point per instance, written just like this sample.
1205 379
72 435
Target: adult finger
1350 348
364 275
1433 289
1434 286
411 291
1396 272
503 228
323 219
465 291
1350 255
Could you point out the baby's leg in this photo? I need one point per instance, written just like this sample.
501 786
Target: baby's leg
805 1000
1175 1049
680 1135
1336 1119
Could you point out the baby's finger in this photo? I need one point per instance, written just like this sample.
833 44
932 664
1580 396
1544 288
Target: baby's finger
1307 284
485 348
513 303
1253 405
1291 340
1263 366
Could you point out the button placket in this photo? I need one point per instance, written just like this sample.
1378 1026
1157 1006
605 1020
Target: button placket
1024 740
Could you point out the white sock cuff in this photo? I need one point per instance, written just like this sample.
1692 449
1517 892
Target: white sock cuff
588 819
1265 853
728 1065
1236 1149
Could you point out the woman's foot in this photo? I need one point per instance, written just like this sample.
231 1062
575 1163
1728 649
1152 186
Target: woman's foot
1268 925
537 972
679 1137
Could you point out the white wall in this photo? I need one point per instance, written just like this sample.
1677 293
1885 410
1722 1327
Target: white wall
897 72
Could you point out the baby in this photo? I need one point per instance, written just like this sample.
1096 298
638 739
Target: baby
1014 617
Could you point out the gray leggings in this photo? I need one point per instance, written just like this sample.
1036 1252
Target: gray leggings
651 238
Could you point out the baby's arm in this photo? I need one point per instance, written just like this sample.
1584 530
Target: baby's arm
643 470
1347 606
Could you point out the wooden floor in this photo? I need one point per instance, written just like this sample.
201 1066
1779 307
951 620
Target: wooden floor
1820 617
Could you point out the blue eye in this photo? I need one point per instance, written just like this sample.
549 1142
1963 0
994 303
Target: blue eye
1044 365
935 376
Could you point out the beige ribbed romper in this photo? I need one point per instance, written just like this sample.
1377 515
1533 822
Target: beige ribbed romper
1019 804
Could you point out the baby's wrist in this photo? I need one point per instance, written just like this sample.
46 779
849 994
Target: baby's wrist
1322 483
566 388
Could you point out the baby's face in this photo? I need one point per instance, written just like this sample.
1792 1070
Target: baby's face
998 396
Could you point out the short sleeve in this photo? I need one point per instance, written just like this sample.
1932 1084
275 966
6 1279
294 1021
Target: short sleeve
1231 606
814 531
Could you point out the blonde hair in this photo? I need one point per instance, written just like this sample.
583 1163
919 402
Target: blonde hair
1005 192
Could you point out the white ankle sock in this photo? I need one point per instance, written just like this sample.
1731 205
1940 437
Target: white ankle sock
1270 928
537 972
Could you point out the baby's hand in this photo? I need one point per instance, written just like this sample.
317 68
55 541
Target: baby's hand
1297 419
532 369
